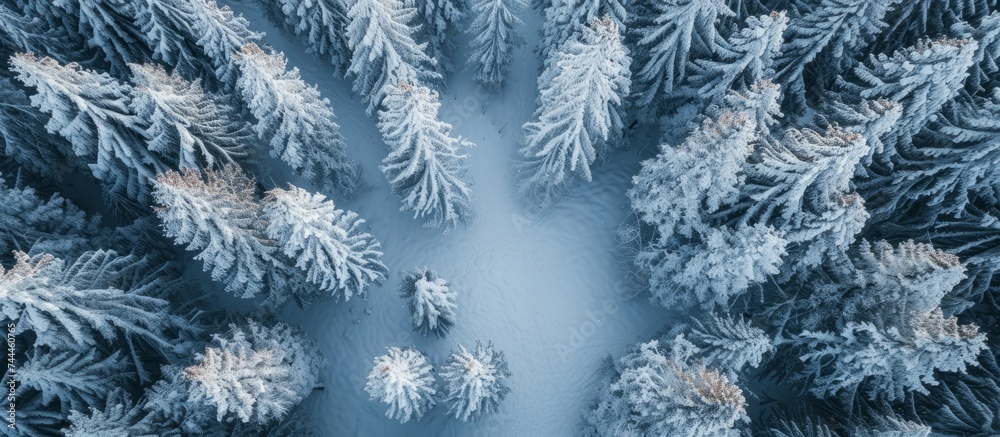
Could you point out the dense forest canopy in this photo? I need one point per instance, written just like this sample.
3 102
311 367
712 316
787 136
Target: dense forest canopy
821 208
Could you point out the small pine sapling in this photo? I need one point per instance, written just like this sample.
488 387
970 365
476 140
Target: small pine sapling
476 382
431 301
402 379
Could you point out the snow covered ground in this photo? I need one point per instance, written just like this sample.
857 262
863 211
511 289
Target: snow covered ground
543 288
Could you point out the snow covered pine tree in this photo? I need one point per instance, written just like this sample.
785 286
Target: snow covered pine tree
430 300
402 379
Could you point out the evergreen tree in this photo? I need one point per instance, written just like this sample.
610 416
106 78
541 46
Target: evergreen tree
802 185
889 362
578 120
424 166
438 20
296 120
430 300
669 35
24 31
689 259
167 408
494 39
566 19
75 306
221 35
256 373
284 245
217 215
828 34
721 265
896 281
913 20
725 342
320 23
91 111
402 379
184 123
108 26
476 382
169 27
747 57
922 78
35 225
951 168
872 119
682 185
653 392
325 243
385 55
24 137
75 379
119 418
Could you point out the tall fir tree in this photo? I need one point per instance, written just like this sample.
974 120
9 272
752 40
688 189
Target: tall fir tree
221 35
256 373
25 139
402 379
668 37
438 20
828 35
494 40
746 57
380 35
169 27
326 243
216 214
922 78
579 118
296 120
425 165
430 299
476 382
566 19
321 24
108 26
660 390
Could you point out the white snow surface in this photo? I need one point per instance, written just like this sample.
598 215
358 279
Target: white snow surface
544 288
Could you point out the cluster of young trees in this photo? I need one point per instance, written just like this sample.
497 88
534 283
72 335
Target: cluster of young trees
823 206
475 382
431 301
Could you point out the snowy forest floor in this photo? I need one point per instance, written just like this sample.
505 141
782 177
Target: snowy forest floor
544 288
